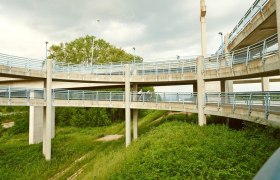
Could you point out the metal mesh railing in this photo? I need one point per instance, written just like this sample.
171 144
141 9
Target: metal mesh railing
25 93
179 66
266 101
21 62
157 97
246 19
260 50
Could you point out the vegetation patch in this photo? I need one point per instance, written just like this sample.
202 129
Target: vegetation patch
180 150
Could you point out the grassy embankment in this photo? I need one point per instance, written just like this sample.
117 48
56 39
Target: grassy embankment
174 149
18 160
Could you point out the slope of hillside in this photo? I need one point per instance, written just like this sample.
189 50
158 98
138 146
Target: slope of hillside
179 150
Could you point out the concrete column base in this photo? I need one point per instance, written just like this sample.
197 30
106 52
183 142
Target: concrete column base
36 118
135 124
36 124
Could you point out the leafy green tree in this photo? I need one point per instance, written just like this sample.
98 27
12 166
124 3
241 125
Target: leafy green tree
79 51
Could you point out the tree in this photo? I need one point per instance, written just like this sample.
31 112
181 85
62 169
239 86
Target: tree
79 52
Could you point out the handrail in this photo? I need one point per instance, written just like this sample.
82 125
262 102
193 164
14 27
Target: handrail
246 19
22 62
260 50
181 65
266 101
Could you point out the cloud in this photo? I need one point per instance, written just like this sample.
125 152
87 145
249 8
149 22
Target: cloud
156 28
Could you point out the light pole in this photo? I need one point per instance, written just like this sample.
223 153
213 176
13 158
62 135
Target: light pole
92 46
222 40
133 55
46 49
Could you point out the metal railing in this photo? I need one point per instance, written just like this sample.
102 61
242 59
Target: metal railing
266 101
22 62
98 69
260 50
157 97
24 93
88 95
170 66
247 18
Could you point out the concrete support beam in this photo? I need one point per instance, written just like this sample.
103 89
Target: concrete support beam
195 87
127 106
48 114
135 115
36 115
265 84
135 124
200 92
278 20
203 27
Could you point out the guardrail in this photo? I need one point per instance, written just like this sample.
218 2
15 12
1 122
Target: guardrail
8 92
266 101
179 66
157 97
247 18
260 50
22 62
88 95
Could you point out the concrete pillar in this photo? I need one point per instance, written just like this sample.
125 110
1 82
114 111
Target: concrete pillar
203 27
278 20
135 124
195 87
48 114
36 119
135 115
36 115
265 83
200 92
127 106
53 121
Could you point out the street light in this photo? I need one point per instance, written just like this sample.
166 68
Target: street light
222 41
92 46
133 55
46 49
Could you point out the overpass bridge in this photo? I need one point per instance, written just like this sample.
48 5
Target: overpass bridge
247 52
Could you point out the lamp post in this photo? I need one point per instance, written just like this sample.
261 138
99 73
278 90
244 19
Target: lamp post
222 40
92 46
133 55
46 49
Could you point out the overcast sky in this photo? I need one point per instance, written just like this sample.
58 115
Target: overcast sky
157 28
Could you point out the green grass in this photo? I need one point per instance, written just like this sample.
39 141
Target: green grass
166 149
177 150
19 160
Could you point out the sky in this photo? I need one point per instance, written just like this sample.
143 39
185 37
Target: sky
157 29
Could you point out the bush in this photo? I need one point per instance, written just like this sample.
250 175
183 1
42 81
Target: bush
192 119
82 117
21 123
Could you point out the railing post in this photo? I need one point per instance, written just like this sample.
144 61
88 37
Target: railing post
250 104
248 55
9 93
219 100
68 95
232 60
182 67
234 103
263 51
267 105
